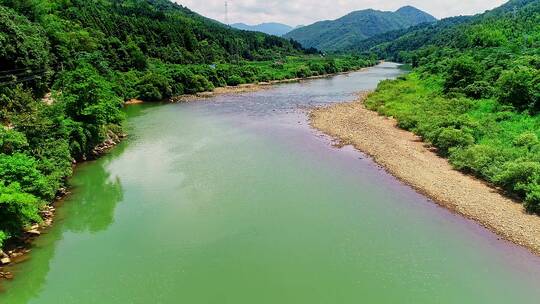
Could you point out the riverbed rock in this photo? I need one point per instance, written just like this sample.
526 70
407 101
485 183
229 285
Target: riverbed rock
5 261
6 275
16 254
34 232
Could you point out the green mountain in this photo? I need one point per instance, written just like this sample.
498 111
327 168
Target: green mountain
271 28
474 93
462 32
348 30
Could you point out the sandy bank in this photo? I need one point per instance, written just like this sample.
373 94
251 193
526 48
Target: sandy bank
405 156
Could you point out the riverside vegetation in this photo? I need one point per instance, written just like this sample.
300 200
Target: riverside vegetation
92 56
474 94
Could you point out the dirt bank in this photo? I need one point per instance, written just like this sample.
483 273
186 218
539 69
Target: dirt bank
405 156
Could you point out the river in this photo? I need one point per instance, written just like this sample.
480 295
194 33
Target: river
235 199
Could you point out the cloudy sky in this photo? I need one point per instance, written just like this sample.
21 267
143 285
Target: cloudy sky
296 12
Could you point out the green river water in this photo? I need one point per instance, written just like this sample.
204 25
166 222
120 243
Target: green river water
235 199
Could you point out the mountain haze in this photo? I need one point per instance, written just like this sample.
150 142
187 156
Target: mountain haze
271 28
359 25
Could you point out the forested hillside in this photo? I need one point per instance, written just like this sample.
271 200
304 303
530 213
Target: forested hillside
349 30
91 56
475 94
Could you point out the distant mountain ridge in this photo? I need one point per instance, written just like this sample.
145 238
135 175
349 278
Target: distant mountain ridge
270 28
342 33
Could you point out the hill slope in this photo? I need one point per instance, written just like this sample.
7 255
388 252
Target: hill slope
271 28
348 30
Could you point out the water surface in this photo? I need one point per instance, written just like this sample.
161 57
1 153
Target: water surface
235 199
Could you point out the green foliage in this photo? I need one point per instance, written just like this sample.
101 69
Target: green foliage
520 86
24 52
3 237
483 137
88 97
12 141
22 169
453 138
462 72
154 87
17 209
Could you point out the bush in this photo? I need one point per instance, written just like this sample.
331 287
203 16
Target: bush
22 169
235 80
461 72
303 72
482 160
452 138
479 89
199 83
519 176
532 200
17 209
520 87
3 237
527 139
154 87
11 141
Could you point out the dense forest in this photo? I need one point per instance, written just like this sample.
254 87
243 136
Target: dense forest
67 66
346 32
474 93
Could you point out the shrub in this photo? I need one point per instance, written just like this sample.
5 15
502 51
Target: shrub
148 92
461 72
520 87
518 176
235 80
451 138
154 87
3 237
303 72
23 169
17 209
483 160
532 200
527 139
479 89
11 141
198 83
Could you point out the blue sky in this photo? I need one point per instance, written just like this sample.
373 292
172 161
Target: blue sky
296 12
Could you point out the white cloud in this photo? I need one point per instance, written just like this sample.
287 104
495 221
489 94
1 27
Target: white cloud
295 12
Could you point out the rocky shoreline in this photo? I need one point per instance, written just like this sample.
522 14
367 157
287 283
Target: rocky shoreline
408 158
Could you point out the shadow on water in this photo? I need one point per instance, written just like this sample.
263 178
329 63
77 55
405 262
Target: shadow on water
89 208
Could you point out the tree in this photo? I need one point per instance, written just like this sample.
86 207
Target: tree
520 86
461 72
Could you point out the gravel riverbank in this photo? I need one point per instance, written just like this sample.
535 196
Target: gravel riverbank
405 156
